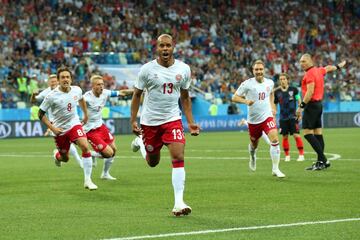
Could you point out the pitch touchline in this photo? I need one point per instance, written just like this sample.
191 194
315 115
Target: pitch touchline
235 229
332 156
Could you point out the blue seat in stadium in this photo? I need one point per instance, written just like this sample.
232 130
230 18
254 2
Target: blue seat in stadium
122 58
129 58
115 58
108 58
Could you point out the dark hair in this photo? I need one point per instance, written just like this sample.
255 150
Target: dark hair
285 75
63 69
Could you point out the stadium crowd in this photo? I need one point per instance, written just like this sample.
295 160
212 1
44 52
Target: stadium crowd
219 39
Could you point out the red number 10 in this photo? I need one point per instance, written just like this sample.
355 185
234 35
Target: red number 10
261 96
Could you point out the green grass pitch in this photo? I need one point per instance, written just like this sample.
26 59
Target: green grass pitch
41 201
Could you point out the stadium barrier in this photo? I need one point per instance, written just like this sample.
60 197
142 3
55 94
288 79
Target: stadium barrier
25 129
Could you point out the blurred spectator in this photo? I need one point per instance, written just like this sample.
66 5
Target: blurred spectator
213 109
218 39
232 109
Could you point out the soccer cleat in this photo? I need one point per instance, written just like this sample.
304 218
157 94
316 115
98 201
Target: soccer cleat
134 145
181 211
287 158
278 173
90 185
107 176
300 158
252 161
317 166
56 161
327 164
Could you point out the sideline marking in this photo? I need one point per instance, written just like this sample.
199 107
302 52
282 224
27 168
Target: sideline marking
235 229
331 156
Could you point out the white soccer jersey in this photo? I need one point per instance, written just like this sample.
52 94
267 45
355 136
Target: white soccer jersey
94 106
41 97
260 94
162 91
63 107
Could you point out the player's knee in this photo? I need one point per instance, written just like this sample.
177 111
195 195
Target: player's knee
64 157
153 160
107 152
114 151
84 148
153 163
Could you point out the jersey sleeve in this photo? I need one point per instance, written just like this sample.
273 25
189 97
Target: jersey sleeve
141 79
276 99
86 97
46 104
187 78
80 93
41 96
242 90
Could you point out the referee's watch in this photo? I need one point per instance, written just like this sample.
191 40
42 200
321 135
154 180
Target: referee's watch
302 105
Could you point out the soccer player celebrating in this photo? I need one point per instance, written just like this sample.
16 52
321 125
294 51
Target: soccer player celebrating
164 80
257 93
312 87
65 125
39 97
287 97
97 133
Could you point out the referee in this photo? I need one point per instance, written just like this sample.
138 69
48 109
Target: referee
312 87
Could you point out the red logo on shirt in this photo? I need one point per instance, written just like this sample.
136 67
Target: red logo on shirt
178 77
75 98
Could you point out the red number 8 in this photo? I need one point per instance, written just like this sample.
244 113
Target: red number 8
69 107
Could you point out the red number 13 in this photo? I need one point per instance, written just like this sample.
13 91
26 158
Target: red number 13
168 88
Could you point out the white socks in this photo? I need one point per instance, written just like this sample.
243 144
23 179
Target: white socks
275 156
178 182
142 146
266 138
73 151
107 165
87 168
96 154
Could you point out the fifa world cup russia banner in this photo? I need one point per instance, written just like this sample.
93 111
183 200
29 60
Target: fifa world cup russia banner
25 129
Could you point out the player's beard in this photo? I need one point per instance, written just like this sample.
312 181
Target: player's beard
259 77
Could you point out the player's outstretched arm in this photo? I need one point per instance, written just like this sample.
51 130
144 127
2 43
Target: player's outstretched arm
331 68
83 107
135 104
186 105
33 97
241 99
126 92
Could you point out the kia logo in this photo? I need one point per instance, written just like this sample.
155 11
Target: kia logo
357 119
5 130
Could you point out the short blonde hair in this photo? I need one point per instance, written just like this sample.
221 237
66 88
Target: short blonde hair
94 78
52 76
258 62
